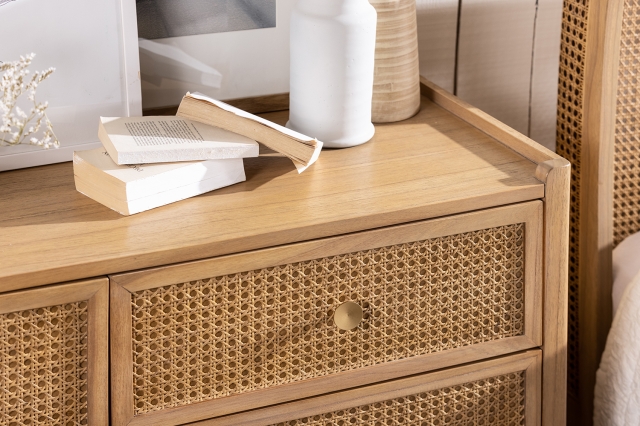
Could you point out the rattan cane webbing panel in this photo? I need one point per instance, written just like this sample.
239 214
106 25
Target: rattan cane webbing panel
497 401
626 193
43 366
568 142
231 334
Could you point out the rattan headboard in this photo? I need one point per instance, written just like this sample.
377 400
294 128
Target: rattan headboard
626 161
599 133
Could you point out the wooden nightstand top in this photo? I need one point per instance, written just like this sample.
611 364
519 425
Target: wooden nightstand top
432 165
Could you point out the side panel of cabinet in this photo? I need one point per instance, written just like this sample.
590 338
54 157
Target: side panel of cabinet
54 355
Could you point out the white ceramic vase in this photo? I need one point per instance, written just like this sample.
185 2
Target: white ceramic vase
332 59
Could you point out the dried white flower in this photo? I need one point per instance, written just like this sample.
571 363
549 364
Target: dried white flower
17 126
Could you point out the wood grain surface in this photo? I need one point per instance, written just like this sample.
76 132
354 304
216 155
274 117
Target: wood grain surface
431 165
596 193
556 174
98 355
121 349
490 125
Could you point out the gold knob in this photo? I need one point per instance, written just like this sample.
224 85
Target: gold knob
348 316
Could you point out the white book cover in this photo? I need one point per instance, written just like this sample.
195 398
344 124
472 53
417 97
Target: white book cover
130 189
143 140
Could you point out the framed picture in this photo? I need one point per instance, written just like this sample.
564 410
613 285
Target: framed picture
93 46
226 49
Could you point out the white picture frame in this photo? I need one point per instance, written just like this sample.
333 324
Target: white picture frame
242 64
94 47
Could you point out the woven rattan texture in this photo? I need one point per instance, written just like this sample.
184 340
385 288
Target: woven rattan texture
231 334
569 139
43 366
626 193
498 401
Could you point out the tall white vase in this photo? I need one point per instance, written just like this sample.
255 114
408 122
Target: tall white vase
332 60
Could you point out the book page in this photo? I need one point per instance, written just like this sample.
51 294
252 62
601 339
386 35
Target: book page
159 133
162 132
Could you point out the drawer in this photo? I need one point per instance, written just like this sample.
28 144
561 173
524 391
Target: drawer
214 337
500 392
54 355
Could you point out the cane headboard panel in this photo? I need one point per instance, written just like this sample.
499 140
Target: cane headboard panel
626 161
599 133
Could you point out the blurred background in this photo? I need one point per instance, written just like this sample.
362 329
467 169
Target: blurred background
176 18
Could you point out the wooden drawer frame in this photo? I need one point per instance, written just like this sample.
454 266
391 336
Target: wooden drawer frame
122 286
530 362
96 294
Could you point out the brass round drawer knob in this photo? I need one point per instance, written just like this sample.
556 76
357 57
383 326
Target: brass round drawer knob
348 316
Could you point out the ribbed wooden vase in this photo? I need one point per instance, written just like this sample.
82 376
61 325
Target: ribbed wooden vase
396 85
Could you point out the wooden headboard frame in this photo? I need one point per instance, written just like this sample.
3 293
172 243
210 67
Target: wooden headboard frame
588 89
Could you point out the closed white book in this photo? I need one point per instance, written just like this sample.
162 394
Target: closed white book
132 189
167 139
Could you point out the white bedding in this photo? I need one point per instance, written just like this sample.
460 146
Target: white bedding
617 391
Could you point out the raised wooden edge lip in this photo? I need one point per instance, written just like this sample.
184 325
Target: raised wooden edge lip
544 170
484 122
477 118
546 167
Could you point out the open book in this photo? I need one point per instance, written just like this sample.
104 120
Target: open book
302 150
165 139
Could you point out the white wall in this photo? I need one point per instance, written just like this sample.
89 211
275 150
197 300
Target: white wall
227 65
499 55
437 36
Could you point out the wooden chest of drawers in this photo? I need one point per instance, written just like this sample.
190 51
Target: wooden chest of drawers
417 279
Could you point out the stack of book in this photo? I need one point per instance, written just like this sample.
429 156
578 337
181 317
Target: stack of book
147 162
